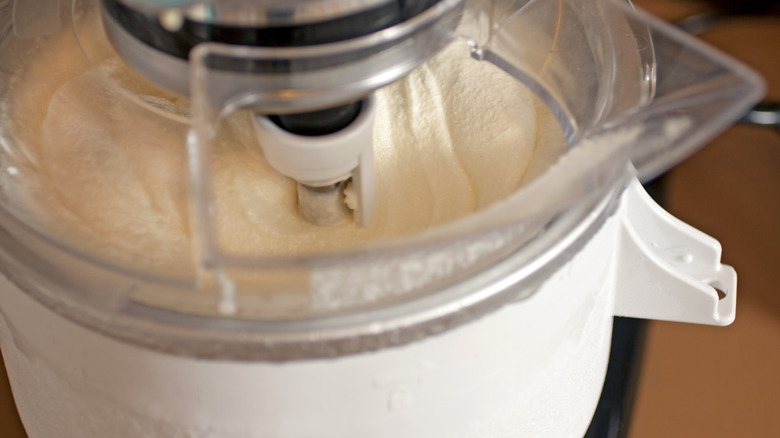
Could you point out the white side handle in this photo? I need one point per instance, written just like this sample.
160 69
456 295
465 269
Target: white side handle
667 269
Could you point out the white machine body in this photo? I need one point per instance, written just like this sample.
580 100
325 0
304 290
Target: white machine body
532 368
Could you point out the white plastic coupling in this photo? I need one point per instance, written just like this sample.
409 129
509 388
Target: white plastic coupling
326 160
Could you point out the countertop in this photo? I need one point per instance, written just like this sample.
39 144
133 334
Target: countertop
699 381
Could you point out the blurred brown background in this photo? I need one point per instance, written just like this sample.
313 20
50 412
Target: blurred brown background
701 381
715 382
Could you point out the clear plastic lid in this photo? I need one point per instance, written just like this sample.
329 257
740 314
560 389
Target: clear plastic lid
622 85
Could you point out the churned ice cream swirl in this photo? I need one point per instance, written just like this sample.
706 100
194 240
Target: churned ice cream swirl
109 173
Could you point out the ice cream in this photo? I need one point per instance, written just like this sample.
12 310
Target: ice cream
108 172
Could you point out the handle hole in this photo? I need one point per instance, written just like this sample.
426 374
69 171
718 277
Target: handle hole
720 289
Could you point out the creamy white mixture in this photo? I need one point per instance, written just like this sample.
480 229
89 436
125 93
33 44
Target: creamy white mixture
108 174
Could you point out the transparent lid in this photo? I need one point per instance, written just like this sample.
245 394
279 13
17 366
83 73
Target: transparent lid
621 85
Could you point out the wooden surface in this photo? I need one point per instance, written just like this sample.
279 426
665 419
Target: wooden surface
705 381
10 425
